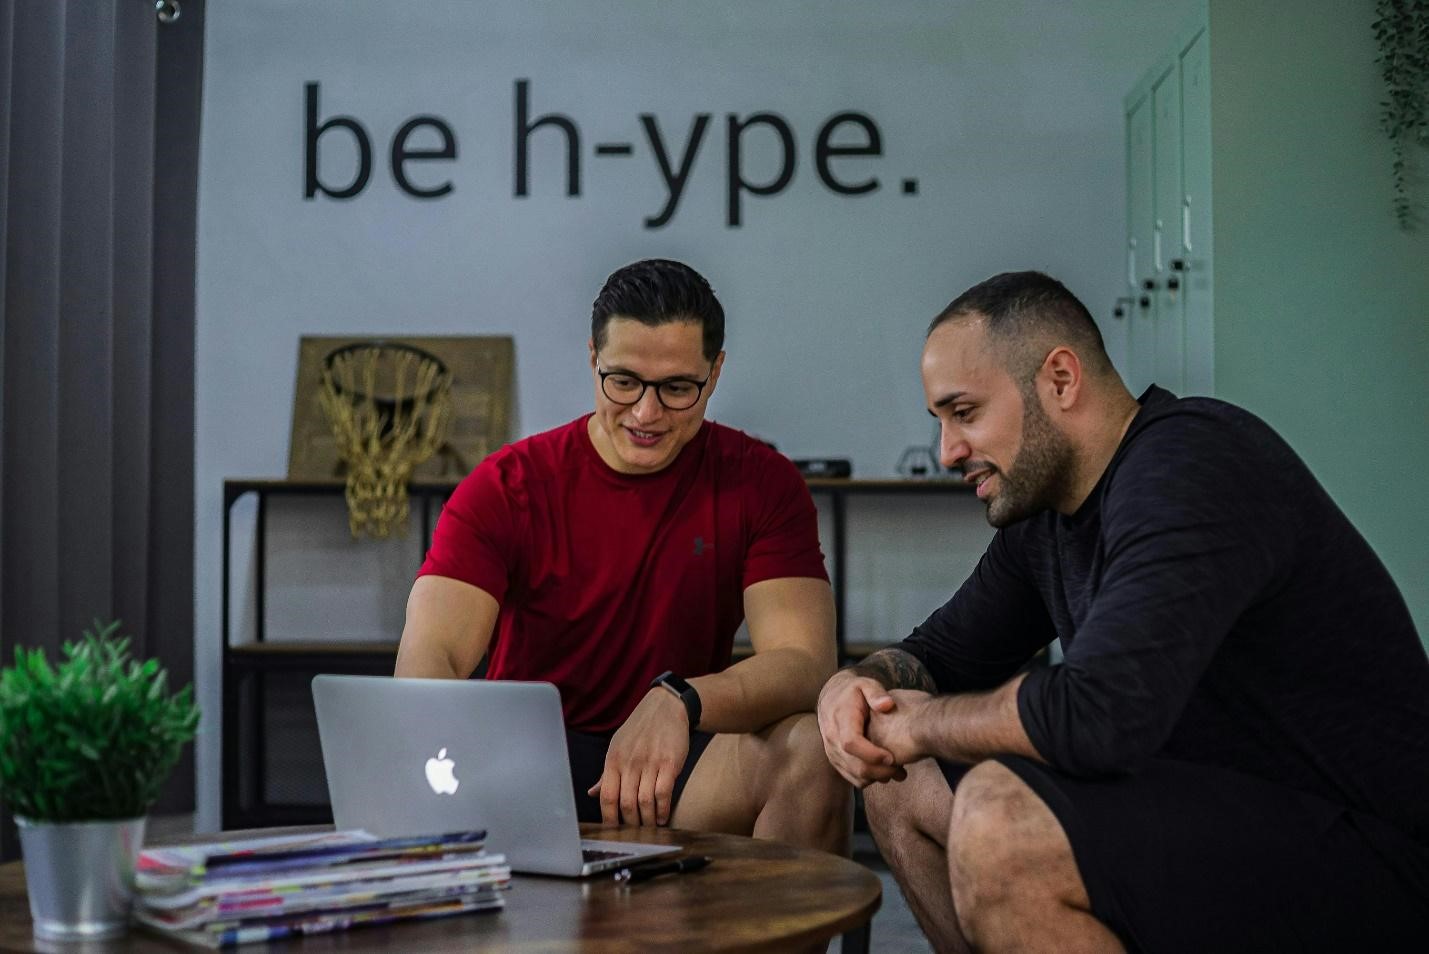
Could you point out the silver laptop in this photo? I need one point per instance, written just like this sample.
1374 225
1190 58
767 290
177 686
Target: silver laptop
421 756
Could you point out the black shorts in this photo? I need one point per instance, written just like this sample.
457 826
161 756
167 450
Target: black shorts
1187 857
587 755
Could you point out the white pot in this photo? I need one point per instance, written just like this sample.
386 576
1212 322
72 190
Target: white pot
80 876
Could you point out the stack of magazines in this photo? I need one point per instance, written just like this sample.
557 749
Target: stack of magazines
227 893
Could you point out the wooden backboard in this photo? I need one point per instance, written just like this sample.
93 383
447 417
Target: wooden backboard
481 368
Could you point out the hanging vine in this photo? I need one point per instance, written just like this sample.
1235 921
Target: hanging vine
1401 29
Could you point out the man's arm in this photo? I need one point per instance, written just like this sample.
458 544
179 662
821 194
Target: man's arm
958 727
449 625
846 706
973 644
882 714
1184 561
895 669
791 625
962 727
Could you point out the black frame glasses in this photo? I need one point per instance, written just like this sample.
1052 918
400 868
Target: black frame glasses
680 404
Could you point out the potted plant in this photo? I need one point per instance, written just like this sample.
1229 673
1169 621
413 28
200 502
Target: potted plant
85 746
1401 30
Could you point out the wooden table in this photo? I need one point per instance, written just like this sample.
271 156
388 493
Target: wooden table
756 896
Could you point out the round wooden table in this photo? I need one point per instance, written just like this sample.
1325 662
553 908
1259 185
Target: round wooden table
756 896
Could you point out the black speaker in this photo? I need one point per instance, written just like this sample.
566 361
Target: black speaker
824 466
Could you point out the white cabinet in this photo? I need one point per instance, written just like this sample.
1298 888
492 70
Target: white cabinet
1141 218
1168 230
1196 213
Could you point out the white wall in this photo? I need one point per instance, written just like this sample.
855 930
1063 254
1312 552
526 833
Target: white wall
1007 114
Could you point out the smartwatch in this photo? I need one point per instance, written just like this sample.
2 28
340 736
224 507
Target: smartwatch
684 691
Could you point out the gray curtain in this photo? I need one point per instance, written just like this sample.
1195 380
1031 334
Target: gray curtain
99 107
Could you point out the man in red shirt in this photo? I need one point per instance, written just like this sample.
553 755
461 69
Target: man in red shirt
617 555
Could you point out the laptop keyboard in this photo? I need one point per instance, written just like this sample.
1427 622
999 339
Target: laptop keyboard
597 854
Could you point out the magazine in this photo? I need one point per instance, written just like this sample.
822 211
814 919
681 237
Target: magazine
220 894
258 857
321 922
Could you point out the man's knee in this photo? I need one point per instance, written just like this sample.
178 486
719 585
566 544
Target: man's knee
799 759
886 808
892 821
905 816
1002 841
989 801
802 799
912 805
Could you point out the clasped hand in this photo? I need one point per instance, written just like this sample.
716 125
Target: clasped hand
868 730
645 757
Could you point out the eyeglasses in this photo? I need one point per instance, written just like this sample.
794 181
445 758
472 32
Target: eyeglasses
674 394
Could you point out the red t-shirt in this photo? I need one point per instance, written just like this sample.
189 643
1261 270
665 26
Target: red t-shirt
606 580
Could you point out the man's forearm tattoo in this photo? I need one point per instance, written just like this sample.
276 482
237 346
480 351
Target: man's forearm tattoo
896 669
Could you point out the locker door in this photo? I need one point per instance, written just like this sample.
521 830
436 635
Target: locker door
1166 239
1195 215
1141 330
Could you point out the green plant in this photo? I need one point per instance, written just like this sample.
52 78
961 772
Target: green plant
1401 29
92 738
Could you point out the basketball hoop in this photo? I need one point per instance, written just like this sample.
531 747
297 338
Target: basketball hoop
388 405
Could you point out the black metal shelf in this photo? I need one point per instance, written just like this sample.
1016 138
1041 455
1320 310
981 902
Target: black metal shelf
246 666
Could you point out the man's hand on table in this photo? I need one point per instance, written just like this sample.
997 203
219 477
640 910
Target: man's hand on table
645 757
847 704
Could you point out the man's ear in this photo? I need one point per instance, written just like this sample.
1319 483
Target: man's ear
1062 372
590 345
714 374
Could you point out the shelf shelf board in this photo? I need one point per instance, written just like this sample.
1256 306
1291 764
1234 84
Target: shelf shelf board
311 647
849 484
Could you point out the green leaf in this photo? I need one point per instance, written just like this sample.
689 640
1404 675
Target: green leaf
93 736
1401 30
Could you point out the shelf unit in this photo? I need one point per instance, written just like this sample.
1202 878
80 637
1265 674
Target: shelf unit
247 666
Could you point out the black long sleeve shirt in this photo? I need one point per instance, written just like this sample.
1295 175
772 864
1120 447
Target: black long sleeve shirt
1213 605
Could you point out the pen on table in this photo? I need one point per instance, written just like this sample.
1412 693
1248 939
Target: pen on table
646 872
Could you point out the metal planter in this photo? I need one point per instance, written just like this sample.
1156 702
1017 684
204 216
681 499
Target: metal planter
80 876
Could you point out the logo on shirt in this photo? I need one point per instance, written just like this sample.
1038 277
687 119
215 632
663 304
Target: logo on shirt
700 546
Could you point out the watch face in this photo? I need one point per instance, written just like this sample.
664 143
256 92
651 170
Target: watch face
685 692
676 683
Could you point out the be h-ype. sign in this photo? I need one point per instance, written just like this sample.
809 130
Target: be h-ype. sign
845 138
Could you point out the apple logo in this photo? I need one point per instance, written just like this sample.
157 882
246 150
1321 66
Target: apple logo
439 774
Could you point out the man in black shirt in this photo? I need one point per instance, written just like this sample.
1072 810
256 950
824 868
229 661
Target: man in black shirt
1233 753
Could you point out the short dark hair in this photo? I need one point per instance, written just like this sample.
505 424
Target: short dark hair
658 291
1029 313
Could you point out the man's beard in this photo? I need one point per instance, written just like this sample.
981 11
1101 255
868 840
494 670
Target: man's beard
1040 474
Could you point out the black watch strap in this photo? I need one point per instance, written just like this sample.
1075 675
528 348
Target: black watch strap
685 692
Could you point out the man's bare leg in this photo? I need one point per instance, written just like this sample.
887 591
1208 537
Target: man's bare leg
1015 883
774 784
910 822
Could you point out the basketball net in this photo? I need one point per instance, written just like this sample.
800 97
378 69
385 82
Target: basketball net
389 405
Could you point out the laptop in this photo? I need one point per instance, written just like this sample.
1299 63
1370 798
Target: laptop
421 756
